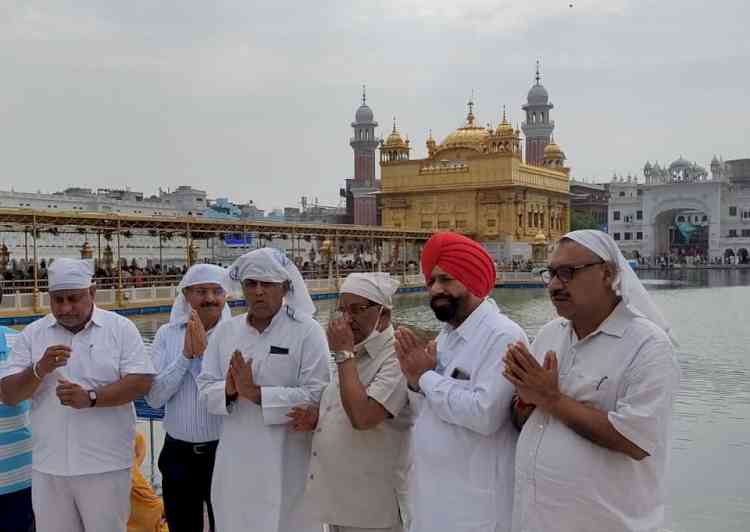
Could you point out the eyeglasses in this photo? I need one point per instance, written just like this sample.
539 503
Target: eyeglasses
203 292
564 273
355 311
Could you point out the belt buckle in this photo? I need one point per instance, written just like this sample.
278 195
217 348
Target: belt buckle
199 448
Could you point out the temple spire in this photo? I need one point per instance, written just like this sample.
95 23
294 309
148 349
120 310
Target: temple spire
364 94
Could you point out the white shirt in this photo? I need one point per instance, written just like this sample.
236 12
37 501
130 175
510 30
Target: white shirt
463 442
66 441
354 473
185 415
261 467
566 483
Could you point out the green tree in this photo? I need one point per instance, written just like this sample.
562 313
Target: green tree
582 220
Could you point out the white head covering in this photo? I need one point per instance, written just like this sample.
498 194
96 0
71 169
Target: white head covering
70 274
198 274
378 287
626 283
271 266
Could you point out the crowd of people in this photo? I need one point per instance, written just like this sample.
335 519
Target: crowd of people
275 424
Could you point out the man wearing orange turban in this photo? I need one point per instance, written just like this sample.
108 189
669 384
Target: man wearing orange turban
463 441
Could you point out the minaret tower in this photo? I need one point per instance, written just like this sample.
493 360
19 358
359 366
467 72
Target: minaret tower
364 144
538 127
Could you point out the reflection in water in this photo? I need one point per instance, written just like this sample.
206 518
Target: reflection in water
708 487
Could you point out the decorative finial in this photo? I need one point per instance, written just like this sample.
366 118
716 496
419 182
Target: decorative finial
429 134
505 116
538 74
364 94
470 116
394 123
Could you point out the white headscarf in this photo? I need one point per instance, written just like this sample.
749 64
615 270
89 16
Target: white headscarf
626 283
70 274
198 274
378 287
271 266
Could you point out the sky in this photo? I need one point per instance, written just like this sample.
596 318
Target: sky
254 100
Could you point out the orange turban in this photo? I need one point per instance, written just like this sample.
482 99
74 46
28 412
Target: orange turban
461 257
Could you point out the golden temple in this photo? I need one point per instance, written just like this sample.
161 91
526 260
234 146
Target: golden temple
476 182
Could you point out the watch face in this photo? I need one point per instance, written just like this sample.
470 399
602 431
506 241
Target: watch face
92 395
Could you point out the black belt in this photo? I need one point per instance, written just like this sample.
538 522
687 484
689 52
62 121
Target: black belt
195 448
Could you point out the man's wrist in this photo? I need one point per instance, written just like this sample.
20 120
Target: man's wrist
342 356
36 371
552 402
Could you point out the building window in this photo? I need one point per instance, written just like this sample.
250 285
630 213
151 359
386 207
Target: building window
705 218
732 211
628 236
491 222
622 193
745 232
616 215
746 215
426 224
443 224
617 236
639 215
460 224
639 235
733 233
640 192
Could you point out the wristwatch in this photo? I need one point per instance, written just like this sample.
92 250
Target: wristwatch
342 356
92 398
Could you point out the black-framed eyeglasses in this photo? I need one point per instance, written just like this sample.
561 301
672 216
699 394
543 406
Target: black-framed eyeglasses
564 273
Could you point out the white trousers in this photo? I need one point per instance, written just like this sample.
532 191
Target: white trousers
82 503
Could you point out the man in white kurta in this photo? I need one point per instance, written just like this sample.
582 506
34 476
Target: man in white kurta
257 367
82 367
463 441
600 383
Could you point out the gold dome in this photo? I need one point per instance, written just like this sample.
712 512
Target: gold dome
552 150
470 135
466 136
394 140
504 129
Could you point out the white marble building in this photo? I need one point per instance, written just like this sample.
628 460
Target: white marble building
684 211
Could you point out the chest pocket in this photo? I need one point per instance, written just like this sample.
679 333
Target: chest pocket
100 363
279 367
593 390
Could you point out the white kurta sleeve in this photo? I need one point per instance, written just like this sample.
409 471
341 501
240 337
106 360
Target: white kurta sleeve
481 404
643 413
314 376
212 378
134 360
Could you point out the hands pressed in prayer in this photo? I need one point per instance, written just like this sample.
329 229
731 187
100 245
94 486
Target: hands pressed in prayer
72 395
340 335
303 419
415 356
535 384
196 338
241 373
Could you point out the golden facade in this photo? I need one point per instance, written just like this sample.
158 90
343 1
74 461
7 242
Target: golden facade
476 183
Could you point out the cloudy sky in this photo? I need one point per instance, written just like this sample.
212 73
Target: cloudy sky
253 100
